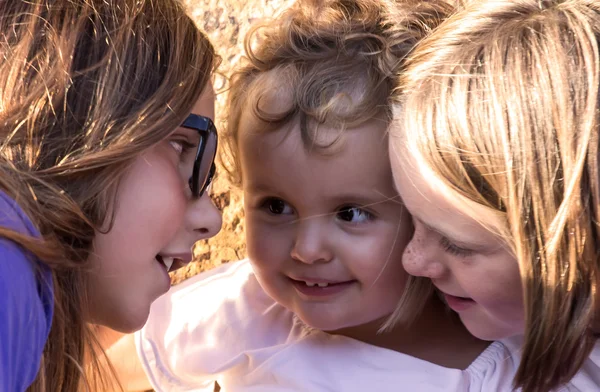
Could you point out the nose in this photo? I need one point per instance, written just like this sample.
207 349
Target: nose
418 260
310 245
203 218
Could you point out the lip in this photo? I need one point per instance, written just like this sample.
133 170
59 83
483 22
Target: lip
318 280
320 293
184 257
180 260
166 279
458 304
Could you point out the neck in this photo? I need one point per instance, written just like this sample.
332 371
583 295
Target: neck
436 336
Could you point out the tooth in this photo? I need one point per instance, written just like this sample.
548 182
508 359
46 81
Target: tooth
168 261
323 284
309 284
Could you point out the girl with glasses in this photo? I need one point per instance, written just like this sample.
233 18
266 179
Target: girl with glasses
106 152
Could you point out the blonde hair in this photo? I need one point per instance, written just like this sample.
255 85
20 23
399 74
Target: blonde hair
86 86
335 62
501 107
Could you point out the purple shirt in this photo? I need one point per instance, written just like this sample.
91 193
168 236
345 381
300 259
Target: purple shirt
26 303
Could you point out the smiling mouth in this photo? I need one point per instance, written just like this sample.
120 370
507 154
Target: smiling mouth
442 294
308 283
313 284
458 304
319 291
170 264
457 297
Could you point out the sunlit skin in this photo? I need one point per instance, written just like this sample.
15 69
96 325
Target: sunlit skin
325 217
469 264
154 215
334 216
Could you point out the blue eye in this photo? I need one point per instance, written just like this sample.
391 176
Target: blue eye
354 214
452 249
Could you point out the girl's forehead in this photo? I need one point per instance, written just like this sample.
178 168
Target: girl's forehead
282 162
431 200
205 106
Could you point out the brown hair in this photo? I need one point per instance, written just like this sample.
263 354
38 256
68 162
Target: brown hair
85 87
501 106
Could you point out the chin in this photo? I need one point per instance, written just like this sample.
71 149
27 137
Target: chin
128 323
486 331
322 324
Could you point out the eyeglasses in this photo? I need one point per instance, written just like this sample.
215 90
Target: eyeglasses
204 163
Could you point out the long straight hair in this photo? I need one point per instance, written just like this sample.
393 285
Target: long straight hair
501 105
86 86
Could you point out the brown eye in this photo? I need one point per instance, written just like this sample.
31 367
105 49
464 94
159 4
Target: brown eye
354 214
277 206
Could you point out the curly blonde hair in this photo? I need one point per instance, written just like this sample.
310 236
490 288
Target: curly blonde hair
337 63
501 106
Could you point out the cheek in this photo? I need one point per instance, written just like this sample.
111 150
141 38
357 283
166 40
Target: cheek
155 194
266 248
378 257
498 288
266 244
404 234
150 205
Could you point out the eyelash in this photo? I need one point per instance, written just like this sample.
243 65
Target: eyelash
449 247
183 144
186 146
267 203
368 216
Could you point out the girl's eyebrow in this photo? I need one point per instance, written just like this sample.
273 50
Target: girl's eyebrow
456 241
257 188
365 200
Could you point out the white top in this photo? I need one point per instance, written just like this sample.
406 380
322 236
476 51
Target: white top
586 380
221 326
588 377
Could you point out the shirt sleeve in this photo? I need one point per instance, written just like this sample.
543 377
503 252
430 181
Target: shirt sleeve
25 306
23 319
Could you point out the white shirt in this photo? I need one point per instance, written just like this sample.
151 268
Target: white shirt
221 326
588 377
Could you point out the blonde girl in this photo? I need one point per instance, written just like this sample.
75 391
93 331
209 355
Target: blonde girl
106 150
495 154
